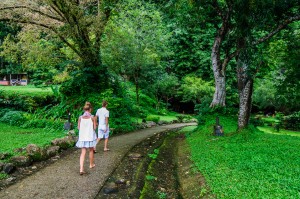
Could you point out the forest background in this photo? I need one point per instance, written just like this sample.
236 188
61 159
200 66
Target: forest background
154 60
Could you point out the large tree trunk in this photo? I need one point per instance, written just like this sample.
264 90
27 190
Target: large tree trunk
245 87
219 75
217 66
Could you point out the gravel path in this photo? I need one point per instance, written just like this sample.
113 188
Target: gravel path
61 179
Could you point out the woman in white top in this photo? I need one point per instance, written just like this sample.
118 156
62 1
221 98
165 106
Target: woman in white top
87 136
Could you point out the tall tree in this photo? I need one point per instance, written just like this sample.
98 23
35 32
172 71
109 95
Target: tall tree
240 25
80 24
136 42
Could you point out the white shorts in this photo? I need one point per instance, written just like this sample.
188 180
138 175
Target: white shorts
102 135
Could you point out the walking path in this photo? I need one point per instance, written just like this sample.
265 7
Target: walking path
61 180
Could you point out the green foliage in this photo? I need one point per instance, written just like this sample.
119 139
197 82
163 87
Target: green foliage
250 164
154 155
161 195
150 177
183 118
280 131
15 118
256 121
40 56
204 110
44 123
194 89
264 95
292 121
135 44
153 118
3 176
26 98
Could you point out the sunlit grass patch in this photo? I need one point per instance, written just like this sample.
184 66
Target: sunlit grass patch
13 137
251 164
271 130
25 90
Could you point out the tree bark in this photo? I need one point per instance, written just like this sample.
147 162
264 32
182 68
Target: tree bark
245 87
217 66
220 86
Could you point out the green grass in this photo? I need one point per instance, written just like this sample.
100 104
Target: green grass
270 119
25 90
251 164
14 137
167 118
188 129
271 130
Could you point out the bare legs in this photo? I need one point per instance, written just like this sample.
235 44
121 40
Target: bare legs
105 143
82 157
92 164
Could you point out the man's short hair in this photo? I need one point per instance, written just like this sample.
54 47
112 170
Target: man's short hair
104 103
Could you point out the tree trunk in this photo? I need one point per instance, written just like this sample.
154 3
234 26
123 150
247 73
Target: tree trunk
219 75
245 87
217 66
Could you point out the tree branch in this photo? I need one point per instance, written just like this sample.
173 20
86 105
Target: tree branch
33 10
47 27
228 58
279 28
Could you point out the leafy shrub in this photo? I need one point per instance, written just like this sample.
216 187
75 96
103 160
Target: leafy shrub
4 110
25 102
256 121
292 122
152 118
43 123
14 118
183 118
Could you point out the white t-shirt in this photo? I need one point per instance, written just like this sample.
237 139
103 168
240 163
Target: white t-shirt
102 113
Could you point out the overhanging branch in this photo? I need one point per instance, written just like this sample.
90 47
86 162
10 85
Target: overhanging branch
32 10
279 28
47 27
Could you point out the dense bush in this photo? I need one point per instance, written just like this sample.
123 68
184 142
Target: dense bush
292 122
183 118
15 118
204 110
256 121
43 123
25 102
152 118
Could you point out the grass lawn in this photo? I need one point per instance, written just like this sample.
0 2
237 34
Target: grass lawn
251 164
270 119
271 130
25 90
14 137
167 118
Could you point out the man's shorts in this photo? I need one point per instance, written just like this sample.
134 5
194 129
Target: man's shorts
102 135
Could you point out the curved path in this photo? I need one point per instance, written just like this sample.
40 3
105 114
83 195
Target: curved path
61 179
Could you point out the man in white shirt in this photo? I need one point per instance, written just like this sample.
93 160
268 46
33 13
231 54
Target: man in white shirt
102 116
